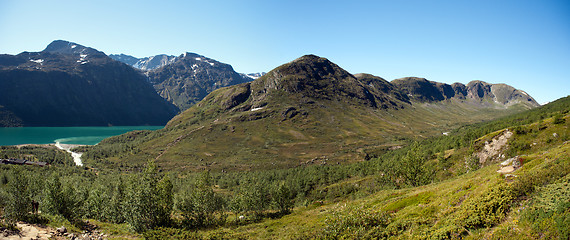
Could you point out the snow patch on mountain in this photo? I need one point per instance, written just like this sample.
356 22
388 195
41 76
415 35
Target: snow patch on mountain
38 61
253 75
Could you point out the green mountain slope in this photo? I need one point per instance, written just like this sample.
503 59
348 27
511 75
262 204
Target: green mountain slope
520 190
308 111
529 202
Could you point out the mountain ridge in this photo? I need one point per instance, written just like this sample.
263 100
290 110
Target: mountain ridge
423 90
68 84
306 109
186 79
146 63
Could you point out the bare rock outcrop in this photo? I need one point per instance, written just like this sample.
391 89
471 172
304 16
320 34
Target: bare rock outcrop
493 150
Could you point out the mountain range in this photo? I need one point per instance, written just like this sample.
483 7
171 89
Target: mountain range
68 84
186 79
305 151
312 111
147 63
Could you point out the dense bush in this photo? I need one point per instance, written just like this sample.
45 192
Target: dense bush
200 206
356 224
149 200
548 213
487 209
61 199
18 202
106 200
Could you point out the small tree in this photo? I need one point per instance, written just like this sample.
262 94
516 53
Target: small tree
149 200
252 197
116 205
61 200
201 206
558 119
281 196
412 167
18 204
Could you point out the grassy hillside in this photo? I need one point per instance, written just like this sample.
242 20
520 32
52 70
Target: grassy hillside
340 134
529 203
456 196
309 111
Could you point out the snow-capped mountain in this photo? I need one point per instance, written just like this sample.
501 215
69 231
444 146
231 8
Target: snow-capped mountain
184 80
68 84
191 77
147 63
253 75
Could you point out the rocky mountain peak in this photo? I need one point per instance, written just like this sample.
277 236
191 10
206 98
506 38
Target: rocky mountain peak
419 89
308 71
130 60
68 84
500 95
478 89
65 47
314 78
196 60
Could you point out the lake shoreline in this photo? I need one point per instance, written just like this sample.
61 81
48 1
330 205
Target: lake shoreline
48 145
38 136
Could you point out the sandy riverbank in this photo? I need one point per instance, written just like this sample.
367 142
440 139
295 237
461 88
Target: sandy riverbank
50 145
66 147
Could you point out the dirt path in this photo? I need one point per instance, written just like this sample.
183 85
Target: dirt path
28 231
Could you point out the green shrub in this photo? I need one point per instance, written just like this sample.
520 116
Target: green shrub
412 168
448 232
18 205
356 224
281 196
149 200
422 198
61 199
548 213
558 119
488 208
200 206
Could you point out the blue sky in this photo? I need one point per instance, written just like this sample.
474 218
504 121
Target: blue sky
525 44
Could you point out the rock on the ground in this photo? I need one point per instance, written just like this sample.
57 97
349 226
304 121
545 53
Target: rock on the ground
492 150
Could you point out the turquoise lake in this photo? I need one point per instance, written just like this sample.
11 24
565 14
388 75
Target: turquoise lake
66 135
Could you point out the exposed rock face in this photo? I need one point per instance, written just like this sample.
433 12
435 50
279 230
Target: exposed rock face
510 165
130 60
71 85
420 89
492 150
254 75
